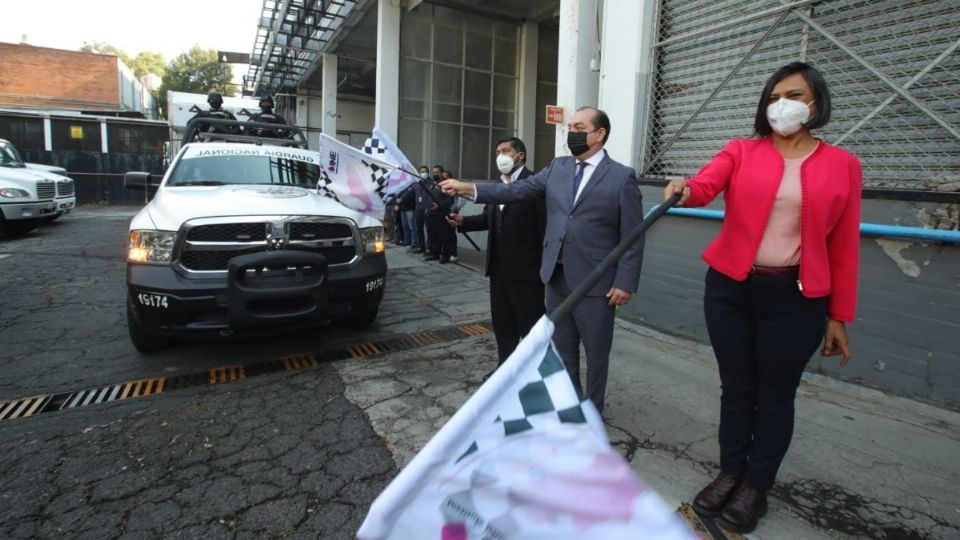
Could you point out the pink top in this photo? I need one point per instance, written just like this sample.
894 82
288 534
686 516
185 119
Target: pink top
780 245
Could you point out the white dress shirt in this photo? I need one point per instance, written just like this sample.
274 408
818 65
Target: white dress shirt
506 180
592 164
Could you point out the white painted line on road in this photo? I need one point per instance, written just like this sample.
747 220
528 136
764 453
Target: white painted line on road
4 255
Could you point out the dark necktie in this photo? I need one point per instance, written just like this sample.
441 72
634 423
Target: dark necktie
578 178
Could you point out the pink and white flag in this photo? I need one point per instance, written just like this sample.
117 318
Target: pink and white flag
354 179
523 458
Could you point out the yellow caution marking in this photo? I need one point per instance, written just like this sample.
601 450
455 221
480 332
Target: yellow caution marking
19 409
153 386
227 373
37 401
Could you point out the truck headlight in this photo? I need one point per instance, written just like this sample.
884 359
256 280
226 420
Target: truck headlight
151 247
372 240
14 193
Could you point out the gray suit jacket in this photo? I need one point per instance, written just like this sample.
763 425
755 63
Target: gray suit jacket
607 210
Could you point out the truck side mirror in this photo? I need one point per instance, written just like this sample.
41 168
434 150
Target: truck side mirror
139 181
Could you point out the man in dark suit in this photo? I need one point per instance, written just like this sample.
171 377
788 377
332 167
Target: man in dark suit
514 246
441 239
592 202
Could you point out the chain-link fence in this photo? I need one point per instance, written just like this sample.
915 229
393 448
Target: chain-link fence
893 68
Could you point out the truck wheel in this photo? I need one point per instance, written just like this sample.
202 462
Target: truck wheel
143 339
366 319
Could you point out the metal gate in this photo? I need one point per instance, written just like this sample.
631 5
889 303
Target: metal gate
892 66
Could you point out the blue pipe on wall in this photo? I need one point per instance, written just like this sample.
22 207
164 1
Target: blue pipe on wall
866 229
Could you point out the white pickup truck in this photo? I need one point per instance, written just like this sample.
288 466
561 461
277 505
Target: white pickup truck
237 240
29 193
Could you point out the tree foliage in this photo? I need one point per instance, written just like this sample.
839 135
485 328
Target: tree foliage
148 62
145 62
197 71
101 47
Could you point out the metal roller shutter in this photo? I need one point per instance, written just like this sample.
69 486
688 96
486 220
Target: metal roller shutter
713 57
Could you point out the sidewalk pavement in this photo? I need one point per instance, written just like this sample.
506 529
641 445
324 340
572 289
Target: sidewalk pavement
862 464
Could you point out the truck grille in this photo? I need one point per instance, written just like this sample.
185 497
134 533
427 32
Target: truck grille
317 231
45 191
208 247
65 189
206 261
229 232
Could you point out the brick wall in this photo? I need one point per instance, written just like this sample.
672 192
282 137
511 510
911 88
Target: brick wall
54 78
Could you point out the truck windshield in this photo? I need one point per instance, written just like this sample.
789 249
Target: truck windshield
223 170
9 156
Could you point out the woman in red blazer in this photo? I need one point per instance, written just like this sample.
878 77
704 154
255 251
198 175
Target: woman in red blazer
782 277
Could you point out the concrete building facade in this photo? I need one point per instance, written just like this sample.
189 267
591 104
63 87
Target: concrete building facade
678 78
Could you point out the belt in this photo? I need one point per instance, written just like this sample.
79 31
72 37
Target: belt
774 270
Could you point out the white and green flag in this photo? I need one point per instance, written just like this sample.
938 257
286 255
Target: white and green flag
522 458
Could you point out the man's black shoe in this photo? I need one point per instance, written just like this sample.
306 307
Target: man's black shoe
430 257
444 260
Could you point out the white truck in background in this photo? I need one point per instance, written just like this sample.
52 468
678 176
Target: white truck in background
66 197
29 194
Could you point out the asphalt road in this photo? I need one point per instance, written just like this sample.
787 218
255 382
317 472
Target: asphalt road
276 455
301 453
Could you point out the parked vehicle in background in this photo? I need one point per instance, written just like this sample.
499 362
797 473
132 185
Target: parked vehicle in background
66 197
237 240
27 196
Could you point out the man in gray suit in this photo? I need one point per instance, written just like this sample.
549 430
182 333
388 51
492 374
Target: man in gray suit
592 202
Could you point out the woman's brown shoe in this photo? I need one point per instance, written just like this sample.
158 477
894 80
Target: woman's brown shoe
711 499
744 510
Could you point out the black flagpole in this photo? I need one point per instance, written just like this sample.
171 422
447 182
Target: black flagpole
578 294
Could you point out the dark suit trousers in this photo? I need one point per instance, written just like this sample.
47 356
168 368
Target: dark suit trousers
434 222
590 322
763 332
418 223
515 307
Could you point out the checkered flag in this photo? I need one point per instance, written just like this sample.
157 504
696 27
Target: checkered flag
403 173
374 146
522 458
324 186
547 400
380 176
353 178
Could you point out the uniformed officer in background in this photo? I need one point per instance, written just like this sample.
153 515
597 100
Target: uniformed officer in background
267 116
215 100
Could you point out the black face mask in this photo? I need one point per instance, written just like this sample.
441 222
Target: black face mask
577 142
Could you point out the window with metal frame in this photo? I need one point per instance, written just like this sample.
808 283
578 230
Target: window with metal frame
458 88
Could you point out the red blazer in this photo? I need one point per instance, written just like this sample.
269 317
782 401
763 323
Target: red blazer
748 171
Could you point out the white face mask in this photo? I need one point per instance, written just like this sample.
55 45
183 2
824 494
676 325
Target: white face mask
424 175
505 164
787 116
